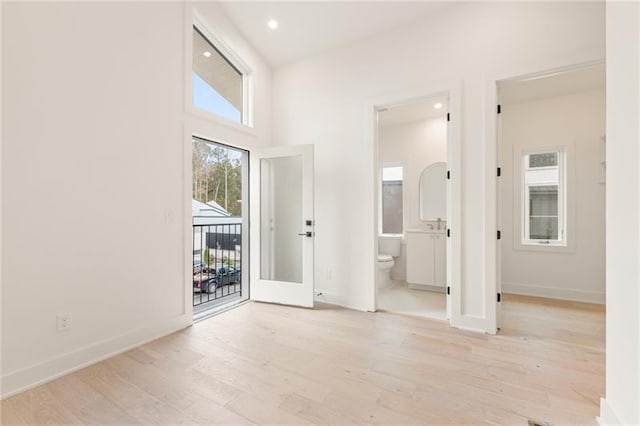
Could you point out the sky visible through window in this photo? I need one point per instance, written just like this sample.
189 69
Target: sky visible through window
206 97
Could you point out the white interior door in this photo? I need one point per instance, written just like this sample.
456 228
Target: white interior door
282 225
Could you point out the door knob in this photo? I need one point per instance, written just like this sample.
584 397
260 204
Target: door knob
306 234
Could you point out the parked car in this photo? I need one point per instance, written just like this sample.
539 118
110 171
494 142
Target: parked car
212 277
226 274
198 267
205 283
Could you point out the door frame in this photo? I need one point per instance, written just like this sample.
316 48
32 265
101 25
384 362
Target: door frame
242 139
451 89
493 218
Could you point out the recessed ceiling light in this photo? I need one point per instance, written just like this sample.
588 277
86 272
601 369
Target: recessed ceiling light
206 54
438 105
273 24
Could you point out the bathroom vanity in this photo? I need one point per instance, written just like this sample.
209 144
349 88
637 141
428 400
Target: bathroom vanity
427 244
426 259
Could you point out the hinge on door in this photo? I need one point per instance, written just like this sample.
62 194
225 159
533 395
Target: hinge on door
448 290
448 174
499 171
448 117
499 297
499 109
448 232
499 234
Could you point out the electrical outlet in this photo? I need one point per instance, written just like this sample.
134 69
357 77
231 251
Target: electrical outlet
64 322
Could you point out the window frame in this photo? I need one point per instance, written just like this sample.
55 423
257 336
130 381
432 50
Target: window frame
246 123
381 197
561 183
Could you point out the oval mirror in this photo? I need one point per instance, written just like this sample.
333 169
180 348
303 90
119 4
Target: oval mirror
433 192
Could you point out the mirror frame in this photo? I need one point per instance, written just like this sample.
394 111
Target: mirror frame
421 196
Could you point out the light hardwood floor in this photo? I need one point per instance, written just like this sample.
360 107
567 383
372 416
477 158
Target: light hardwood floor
401 299
264 363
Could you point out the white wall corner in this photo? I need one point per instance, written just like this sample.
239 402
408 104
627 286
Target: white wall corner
335 300
607 415
53 368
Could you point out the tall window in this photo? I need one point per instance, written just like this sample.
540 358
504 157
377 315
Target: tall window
544 198
217 178
392 200
217 83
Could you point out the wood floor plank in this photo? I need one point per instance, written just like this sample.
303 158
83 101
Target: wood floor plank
264 363
88 405
37 407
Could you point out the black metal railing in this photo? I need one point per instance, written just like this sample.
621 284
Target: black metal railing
217 262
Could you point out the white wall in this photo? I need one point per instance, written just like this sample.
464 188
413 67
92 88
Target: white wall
416 145
95 151
330 96
577 122
622 403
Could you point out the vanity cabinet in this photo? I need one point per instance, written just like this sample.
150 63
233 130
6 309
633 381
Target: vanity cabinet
426 259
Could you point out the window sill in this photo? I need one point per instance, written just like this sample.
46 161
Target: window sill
544 248
211 117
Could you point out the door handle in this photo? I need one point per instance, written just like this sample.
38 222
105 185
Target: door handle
306 234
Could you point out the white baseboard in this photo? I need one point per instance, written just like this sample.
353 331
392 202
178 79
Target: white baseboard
607 415
471 323
334 299
571 294
424 287
51 369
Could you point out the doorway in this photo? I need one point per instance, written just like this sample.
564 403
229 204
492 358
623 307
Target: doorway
551 193
273 260
220 216
414 207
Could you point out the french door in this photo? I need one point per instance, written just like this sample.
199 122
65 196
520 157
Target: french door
282 225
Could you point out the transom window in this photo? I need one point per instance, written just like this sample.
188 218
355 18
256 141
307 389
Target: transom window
544 198
392 199
218 85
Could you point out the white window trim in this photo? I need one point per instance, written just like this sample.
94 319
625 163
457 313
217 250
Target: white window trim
566 196
247 124
562 201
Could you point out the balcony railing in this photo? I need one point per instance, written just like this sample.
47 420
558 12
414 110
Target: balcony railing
217 263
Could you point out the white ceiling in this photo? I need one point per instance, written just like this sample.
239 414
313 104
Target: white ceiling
308 28
413 111
564 83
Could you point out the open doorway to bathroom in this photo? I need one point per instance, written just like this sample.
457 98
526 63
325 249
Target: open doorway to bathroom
411 273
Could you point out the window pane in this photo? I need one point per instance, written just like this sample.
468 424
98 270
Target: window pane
392 207
543 228
543 212
217 180
281 219
546 159
392 173
217 85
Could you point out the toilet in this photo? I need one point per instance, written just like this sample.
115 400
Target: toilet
389 246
